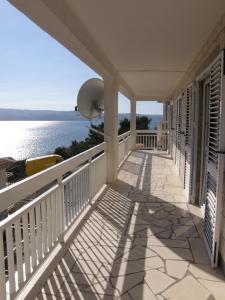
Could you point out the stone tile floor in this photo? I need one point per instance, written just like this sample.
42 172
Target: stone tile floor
141 241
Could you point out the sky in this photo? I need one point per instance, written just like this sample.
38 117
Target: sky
37 72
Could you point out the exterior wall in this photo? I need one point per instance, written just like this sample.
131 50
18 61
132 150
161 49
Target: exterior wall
208 52
222 241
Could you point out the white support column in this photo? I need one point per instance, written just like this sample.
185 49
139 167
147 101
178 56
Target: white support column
169 108
3 179
111 126
164 112
133 122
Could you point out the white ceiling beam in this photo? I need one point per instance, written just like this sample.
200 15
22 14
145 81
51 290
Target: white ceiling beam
125 89
151 98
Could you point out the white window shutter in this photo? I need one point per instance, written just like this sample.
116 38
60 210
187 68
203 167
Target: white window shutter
188 140
215 160
178 133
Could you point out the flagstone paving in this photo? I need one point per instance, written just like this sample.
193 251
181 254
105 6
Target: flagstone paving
142 241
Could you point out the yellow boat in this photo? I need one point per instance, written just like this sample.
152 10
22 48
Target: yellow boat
37 164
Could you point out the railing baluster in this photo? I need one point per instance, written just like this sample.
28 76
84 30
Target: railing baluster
82 189
90 179
86 185
73 198
76 196
66 205
70 202
33 239
19 255
89 182
53 200
49 222
79 193
44 227
26 245
39 239
62 208
2 269
10 259
58 214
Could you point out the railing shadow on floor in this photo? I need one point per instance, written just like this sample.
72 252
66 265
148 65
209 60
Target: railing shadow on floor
126 240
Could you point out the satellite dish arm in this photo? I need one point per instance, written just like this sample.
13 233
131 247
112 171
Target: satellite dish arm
95 130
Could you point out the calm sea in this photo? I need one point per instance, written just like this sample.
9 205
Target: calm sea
26 139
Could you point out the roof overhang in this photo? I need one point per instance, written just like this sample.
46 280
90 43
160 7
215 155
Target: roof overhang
148 45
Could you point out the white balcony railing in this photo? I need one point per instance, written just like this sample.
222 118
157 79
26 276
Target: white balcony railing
29 234
57 196
124 146
152 139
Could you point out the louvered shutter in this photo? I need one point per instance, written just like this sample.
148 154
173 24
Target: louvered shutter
215 161
182 136
178 134
188 140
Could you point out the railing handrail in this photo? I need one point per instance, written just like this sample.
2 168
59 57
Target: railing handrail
26 187
152 131
124 135
24 209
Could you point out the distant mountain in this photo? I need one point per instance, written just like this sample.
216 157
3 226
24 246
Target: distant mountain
52 115
38 115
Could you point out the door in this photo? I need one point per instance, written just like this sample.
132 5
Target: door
215 160
188 141
178 134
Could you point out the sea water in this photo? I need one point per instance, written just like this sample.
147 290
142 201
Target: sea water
26 139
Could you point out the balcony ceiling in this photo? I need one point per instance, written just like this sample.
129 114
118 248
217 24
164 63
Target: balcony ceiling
149 43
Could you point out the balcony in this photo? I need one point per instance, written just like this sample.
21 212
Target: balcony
118 221
137 238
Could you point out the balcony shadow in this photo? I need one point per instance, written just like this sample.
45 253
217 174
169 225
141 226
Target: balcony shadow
135 244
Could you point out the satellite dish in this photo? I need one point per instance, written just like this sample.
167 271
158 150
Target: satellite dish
90 99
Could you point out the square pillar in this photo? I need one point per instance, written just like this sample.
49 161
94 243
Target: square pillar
133 123
111 126
164 112
3 179
169 125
